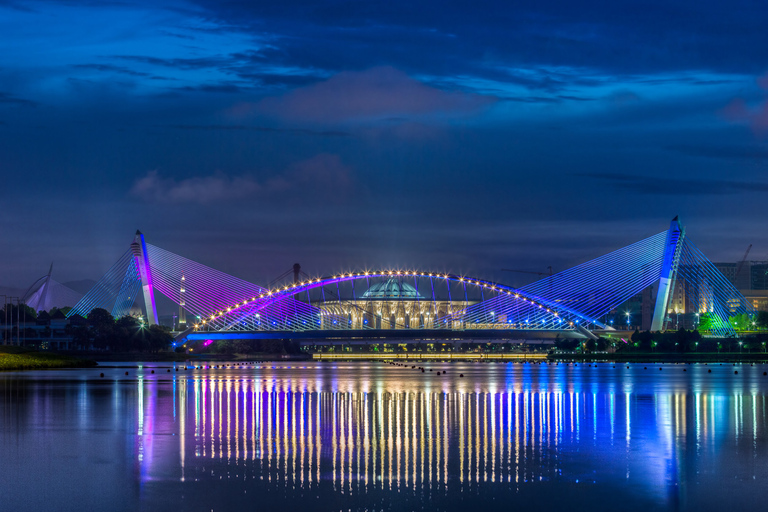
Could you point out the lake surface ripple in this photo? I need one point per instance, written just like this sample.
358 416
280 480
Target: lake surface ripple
372 436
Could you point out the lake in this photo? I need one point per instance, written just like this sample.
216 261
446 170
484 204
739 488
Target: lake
373 436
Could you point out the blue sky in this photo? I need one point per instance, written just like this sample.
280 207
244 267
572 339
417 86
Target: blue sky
438 135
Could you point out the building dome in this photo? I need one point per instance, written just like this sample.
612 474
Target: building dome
391 289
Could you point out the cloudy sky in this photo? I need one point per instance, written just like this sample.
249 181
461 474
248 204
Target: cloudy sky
454 136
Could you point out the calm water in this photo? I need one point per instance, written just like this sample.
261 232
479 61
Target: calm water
371 436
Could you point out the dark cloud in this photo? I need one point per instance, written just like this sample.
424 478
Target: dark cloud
677 186
635 38
10 99
265 129
227 88
175 63
724 152
110 68
17 6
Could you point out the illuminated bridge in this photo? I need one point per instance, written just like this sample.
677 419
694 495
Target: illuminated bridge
402 303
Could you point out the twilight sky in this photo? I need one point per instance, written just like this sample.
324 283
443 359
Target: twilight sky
448 136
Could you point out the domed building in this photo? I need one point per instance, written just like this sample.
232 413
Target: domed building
393 304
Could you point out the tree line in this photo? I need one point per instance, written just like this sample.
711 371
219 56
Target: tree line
102 331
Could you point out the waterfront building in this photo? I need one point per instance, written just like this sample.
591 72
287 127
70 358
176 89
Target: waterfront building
393 304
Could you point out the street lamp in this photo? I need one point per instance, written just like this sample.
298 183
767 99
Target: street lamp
740 343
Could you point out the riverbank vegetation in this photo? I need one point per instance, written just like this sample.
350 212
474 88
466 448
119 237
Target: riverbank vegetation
101 331
21 358
680 345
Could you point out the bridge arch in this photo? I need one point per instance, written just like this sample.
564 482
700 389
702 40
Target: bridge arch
252 311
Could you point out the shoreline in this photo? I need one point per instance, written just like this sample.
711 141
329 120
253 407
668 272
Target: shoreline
664 357
19 358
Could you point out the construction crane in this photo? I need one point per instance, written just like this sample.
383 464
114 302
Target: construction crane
743 260
529 272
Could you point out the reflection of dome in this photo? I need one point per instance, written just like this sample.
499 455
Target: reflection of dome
392 289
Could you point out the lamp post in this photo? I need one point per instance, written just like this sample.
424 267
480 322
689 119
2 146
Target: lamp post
740 343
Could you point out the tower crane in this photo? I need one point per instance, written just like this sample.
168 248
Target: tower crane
743 260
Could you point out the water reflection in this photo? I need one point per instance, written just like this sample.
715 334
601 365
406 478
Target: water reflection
362 431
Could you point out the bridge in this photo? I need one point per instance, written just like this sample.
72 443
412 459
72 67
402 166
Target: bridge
392 304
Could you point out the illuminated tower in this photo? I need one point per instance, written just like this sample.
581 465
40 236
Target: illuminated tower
139 250
672 248
182 303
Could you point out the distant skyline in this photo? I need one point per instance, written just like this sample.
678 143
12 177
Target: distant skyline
461 137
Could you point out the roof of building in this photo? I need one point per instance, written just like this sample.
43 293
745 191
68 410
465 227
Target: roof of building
392 289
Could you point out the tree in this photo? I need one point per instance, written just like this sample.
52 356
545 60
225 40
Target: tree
159 338
126 334
762 319
566 344
24 312
103 326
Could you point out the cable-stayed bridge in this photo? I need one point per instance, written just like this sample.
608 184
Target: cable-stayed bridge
370 303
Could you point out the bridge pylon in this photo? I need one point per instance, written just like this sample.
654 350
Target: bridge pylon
674 244
139 251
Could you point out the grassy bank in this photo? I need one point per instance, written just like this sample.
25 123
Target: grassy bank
19 358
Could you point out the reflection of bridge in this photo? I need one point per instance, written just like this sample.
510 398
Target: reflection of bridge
373 303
